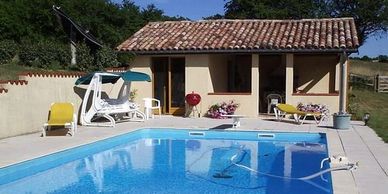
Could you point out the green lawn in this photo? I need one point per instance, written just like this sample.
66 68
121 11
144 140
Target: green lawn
10 71
377 105
363 100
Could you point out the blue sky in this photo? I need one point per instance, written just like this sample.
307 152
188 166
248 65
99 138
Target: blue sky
196 9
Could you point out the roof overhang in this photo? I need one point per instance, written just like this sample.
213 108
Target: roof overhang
220 51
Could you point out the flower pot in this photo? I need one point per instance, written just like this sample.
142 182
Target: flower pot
341 121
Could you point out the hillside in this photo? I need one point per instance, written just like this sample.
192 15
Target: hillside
368 68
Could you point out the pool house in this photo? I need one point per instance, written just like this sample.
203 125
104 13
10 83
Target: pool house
244 60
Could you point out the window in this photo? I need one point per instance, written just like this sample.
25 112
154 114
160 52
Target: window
231 73
315 73
239 73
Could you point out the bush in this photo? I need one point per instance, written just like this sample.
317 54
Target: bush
125 58
353 106
44 54
383 58
85 61
106 57
366 58
8 50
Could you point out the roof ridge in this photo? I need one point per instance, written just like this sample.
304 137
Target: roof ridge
253 20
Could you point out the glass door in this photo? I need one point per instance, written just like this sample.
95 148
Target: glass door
160 81
177 86
169 84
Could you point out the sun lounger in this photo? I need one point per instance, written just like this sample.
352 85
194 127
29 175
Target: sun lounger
281 110
61 114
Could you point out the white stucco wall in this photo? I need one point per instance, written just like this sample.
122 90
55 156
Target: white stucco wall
320 93
24 108
199 80
144 89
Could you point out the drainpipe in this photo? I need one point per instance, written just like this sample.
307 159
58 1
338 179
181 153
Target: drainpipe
342 88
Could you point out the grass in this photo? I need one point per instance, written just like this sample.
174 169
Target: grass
10 71
364 100
375 104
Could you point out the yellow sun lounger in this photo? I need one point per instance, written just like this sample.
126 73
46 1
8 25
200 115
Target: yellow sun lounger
61 114
281 110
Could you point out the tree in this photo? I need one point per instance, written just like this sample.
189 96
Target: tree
111 23
33 24
214 17
370 16
269 9
383 58
366 58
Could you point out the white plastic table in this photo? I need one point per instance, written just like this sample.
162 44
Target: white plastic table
236 119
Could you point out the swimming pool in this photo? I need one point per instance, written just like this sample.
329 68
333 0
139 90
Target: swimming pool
179 161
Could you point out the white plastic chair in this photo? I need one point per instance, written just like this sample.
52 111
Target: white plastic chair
149 105
273 100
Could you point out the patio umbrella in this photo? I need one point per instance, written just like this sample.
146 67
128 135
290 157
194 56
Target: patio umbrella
113 77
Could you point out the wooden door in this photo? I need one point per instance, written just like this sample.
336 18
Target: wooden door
169 84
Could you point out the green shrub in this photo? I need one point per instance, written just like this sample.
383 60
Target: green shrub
85 61
353 106
63 54
383 58
106 57
44 54
8 50
125 58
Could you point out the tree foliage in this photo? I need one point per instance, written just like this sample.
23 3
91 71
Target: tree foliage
33 22
370 16
109 22
44 54
268 9
8 49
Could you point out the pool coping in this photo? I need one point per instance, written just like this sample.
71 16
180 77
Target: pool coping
360 142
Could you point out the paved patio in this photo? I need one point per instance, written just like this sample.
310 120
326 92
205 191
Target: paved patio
360 143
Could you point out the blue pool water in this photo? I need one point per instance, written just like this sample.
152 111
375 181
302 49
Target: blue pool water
178 161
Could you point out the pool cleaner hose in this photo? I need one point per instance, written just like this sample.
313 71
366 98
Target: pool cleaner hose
337 162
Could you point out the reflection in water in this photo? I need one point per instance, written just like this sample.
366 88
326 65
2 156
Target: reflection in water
95 167
178 166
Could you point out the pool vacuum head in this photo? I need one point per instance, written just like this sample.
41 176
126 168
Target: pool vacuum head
222 176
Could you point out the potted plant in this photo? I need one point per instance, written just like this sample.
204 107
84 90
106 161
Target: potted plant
217 111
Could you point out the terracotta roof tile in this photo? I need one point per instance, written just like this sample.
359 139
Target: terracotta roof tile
244 35
3 90
61 74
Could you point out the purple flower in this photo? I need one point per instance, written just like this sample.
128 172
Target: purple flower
225 108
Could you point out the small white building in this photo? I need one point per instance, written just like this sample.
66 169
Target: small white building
244 60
